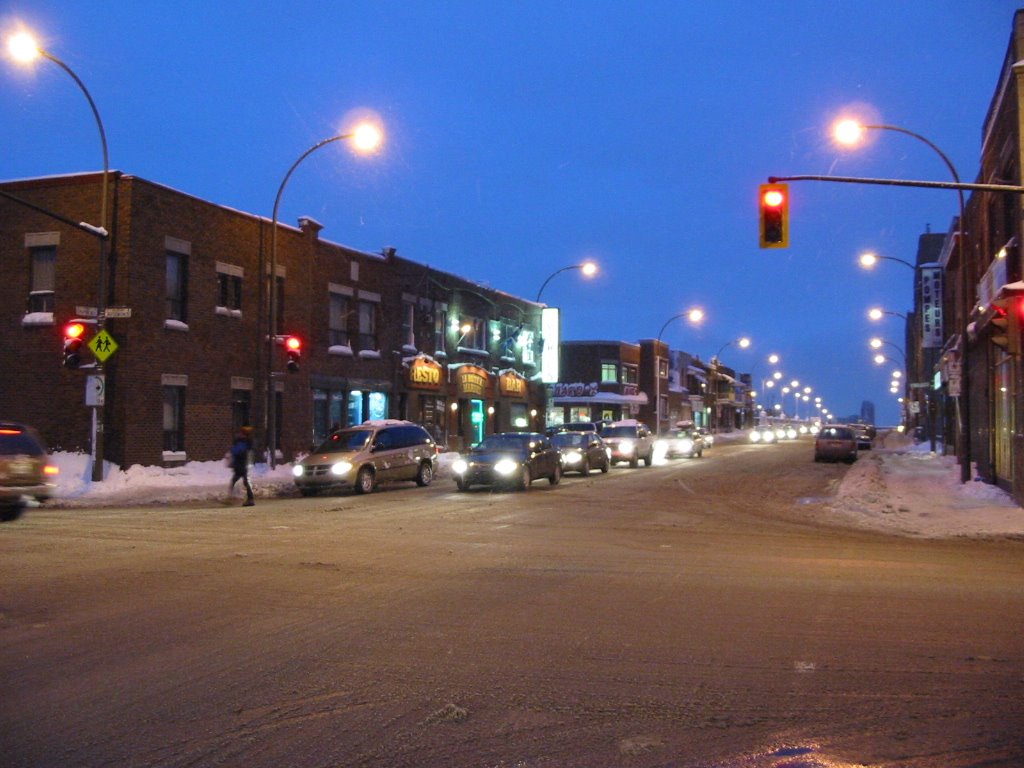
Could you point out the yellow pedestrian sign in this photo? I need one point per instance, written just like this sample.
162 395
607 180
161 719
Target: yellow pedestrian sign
103 345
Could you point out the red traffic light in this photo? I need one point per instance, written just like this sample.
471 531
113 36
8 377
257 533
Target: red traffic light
773 204
293 347
74 330
773 198
293 344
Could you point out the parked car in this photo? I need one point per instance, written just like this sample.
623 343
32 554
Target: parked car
705 433
582 451
25 469
512 459
865 435
835 443
684 442
630 441
362 457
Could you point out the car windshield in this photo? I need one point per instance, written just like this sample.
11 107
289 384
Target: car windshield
618 432
835 433
568 439
503 443
345 440
15 441
681 433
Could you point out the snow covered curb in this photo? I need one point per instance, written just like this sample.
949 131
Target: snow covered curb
918 493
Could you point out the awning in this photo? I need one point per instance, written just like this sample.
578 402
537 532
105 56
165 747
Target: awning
603 398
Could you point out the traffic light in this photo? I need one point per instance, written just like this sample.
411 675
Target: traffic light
293 346
773 202
73 340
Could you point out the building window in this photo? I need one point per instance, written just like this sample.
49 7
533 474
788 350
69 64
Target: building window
474 337
609 373
440 330
44 265
408 327
368 325
177 287
241 409
174 418
337 323
229 291
629 374
279 294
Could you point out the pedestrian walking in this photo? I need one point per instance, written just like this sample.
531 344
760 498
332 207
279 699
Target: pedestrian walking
239 458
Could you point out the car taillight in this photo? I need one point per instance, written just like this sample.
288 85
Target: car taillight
49 469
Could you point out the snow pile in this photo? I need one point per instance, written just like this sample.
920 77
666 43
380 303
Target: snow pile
907 489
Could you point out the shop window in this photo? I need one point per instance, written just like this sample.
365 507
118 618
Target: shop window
519 416
377 406
43 279
610 373
355 407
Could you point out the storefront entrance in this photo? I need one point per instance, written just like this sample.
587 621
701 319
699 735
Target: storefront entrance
477 421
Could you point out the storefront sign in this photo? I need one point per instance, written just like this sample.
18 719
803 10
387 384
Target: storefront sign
577 389
424 374
471 381
511 384
550 330
931 307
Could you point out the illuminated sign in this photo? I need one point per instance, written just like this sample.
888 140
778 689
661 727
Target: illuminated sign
550 328
931 307
511 384
471 381
424 374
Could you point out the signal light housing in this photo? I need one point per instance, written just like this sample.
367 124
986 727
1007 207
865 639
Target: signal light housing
74 333
773 203
293 347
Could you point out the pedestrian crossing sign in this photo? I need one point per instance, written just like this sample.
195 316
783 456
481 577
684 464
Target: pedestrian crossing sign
103 345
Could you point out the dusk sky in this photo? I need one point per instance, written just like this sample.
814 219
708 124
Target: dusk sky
524 137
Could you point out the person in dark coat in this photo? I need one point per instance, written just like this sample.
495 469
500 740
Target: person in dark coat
239 454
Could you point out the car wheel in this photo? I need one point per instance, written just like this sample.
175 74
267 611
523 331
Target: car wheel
308 491
585 469
634 462
12 512
425 474
524 479
649 459
461 485
556 476
365 480
606 466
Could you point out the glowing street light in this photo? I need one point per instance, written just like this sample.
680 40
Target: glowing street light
694 316
869 259
588 268
877 313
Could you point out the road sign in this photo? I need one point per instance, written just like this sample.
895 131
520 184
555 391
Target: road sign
95 390
86 311
920 385
103 345
117 312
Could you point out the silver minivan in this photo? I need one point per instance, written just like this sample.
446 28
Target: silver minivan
374 452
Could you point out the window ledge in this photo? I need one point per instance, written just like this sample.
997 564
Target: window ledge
175 456
37 318
175 325
369 354
228 312
475 352
341 350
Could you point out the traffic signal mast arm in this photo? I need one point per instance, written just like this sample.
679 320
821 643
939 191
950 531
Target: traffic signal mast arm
903 183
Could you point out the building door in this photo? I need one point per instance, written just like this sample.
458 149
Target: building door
477 421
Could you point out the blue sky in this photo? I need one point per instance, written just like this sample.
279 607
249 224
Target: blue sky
523 137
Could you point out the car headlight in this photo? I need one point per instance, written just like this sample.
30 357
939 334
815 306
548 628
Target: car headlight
791 433
755 436
459 466
341 468
572 457
298 470
769 436
506 467
626 446
685 446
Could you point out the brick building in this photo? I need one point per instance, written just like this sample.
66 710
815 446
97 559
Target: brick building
382 336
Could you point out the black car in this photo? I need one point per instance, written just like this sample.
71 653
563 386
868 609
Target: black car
513 459
582 451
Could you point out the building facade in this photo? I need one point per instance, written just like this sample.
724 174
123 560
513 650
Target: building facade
187 319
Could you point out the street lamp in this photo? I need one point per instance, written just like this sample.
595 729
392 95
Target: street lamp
365 139
869 259
588 268
742 342
877 343
695 316
24 48
877 313
849 132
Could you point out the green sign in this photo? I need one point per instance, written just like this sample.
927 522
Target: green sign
103 345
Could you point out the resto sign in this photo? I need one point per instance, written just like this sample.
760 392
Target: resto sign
424 374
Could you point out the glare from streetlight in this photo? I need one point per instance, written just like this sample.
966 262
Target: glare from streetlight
876 343
879 359
794 383
589 269
773 359
743 342
22 47
868 260
848 131
367 138
897 374
875 313
695 315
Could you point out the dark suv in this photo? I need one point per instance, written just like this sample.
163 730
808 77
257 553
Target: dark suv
630 441
371 453
25 470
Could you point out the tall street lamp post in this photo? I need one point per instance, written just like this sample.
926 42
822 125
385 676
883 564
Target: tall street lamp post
743 342
695 316
849 132
366 138
24 48
588 268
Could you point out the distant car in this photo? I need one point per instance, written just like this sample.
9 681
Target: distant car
25 469
684 442
576 426
865 435
835 443
361 457
582 451
764 434
512 459
630 441
704 432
